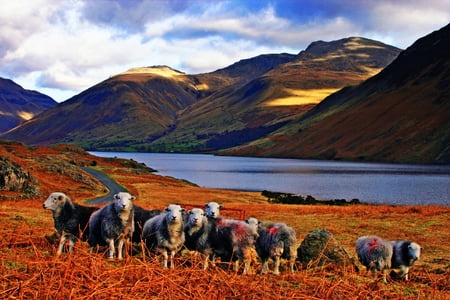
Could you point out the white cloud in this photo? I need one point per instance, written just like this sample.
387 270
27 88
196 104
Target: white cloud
64 47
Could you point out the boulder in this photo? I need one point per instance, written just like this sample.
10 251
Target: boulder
320 248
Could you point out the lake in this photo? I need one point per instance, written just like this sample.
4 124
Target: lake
375 183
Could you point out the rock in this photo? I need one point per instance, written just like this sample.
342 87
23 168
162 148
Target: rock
321 248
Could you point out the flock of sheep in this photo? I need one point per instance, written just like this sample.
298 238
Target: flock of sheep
205 231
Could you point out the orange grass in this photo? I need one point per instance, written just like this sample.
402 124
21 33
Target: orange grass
29 268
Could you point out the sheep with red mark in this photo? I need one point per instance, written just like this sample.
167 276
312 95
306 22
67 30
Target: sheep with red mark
141 215
197 231
276 241
112 224
165 233
375 254
233 241
71 220
378 254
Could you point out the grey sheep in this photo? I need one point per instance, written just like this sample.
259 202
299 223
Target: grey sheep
165 233
141 215
375 254
405 254
113 223
233 241
71 220
275 241
197 231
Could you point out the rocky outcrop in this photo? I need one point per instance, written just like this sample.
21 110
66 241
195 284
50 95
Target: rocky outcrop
320 248
15 178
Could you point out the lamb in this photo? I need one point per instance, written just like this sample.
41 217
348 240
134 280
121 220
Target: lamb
197 231
71 220
405 254
276 241
165 232
141 215
113 222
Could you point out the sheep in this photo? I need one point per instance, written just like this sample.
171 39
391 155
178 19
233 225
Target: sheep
375 254
141 215
113 222
70 219
197 231
276 241
165 232
405 254
233 241
213 210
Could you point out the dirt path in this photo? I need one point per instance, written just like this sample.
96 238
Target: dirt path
110 184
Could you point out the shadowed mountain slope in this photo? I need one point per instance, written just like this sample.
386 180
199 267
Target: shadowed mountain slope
237 115
401 114
18 105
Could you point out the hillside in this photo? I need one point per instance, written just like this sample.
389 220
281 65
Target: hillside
234 116
398 115
138 105
18 104
160 109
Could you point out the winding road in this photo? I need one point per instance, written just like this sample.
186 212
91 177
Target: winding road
110 184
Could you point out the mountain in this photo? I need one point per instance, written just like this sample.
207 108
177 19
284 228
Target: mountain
401 114
239 114
18 104
160 109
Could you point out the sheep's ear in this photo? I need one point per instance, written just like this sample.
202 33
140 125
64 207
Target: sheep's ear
116 196
183 209
166 209
422 248
206 204
60 197
220 206
132 198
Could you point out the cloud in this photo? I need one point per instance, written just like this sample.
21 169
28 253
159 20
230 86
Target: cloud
62 46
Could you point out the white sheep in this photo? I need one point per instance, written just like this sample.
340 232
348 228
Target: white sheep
197 231
113 223
405 254
276 241
165 232
70 219
212 210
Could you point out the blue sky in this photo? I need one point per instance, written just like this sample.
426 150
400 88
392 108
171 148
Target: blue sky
62 47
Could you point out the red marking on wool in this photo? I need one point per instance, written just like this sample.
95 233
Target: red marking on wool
272 230
372 245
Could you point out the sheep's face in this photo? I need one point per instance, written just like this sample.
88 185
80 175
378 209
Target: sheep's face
174 213
55 201
213 210
123 201
253 222
414 252
196 216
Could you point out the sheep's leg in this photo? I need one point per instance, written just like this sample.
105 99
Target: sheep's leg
165 258
62 241
120 249
236 265
205 259
71 243
276 267
111 249
385 272
278 251
265 265
404 272
172 256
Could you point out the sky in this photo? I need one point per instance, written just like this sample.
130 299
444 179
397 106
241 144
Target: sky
62 47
